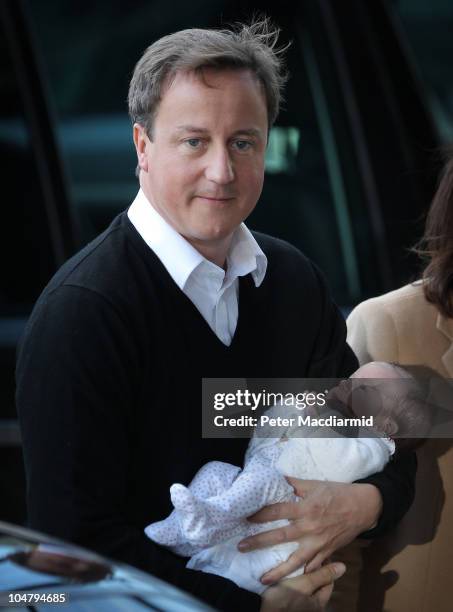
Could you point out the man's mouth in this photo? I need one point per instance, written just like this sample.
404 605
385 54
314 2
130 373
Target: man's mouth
211 198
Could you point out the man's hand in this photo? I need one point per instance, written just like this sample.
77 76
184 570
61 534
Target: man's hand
329 516
302 593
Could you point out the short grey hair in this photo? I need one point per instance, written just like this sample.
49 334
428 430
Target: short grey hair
252 47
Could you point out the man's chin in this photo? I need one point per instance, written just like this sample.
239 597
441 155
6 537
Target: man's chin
211 236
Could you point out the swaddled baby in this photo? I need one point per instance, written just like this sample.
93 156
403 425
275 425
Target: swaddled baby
210 515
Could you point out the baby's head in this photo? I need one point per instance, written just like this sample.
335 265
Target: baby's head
396 397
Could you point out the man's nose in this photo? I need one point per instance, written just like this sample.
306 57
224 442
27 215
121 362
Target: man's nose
219 168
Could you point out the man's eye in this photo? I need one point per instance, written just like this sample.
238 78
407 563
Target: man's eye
242 145
193 143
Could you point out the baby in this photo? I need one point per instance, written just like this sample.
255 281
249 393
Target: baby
210 515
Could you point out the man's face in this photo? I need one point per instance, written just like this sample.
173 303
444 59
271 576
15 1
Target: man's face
203 169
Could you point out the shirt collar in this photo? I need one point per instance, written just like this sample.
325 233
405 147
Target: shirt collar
181 259
245 256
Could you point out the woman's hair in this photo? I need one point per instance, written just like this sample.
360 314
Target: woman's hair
436 245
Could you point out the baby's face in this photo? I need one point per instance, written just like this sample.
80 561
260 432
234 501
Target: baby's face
378 395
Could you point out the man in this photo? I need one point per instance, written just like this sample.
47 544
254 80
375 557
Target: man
176 289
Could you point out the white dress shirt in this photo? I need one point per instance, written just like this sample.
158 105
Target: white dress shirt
214 292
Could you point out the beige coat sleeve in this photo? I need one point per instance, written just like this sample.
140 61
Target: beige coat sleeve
372 333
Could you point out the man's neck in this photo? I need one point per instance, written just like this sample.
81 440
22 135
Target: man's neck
213 251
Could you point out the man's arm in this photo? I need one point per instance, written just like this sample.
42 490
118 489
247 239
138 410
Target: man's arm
333 514
372 333
396 484
74 393
333 358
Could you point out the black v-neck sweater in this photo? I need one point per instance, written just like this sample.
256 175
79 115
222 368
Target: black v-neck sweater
109 393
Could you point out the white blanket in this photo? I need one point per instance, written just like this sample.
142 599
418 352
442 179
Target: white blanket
210 515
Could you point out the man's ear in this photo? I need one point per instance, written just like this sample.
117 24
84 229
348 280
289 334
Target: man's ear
141 141
390 427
